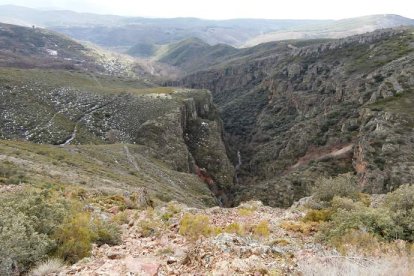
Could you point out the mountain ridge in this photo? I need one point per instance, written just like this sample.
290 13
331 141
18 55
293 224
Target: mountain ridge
123 33
298 100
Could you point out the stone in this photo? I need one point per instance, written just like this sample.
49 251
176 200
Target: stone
171 260
142 266
114 255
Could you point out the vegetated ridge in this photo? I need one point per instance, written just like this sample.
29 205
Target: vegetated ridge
296 110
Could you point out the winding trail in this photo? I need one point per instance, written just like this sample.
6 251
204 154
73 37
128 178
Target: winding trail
88 112
73 136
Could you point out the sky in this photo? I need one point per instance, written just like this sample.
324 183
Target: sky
227 9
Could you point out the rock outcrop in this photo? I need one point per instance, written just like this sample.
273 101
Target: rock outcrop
179 127
290 107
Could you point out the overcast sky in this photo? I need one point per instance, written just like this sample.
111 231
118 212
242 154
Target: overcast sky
226 9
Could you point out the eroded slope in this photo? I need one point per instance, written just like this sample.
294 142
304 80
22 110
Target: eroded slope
297 110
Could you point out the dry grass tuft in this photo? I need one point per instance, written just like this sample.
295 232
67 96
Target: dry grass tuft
355 265
47 267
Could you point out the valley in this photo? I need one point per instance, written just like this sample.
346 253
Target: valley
204 145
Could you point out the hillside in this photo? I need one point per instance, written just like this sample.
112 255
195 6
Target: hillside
98 105
292 157
193 54
335 29
71 108
306 109
82 129
33 47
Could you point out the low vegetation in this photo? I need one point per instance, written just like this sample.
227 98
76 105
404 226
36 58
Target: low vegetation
196 226
49 221
47 267
343 217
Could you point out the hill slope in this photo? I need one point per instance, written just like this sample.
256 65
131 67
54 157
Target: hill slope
194 54
335 29
297 110
178 130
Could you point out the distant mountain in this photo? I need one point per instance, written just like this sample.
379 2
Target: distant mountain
125 32
335 29
27 17
194 54
34 47
141 37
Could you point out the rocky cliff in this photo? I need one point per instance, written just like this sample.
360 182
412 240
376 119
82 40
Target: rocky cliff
180 127
75 97
298 110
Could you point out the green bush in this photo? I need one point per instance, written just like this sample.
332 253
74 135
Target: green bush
27 219
149 227
343 203
317 215
37 223
106 232
76 235
21 245
344 185
375 221
194 226
261 229
235 228
401 204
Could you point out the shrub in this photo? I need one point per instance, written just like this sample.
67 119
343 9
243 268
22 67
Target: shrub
401 204
148 227
47 267
166 216
301 227
120 218
280 242
344 185
317 215
342 203
27 220
105 232
112 200
365 199
76 235
11 174
45 210
357 240
234 228
355 265
75 238
244 212
21 245
370 220
261 229
171 209
165 251
40 222
194 226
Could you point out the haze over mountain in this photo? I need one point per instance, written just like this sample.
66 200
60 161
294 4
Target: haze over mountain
229 9
143 36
